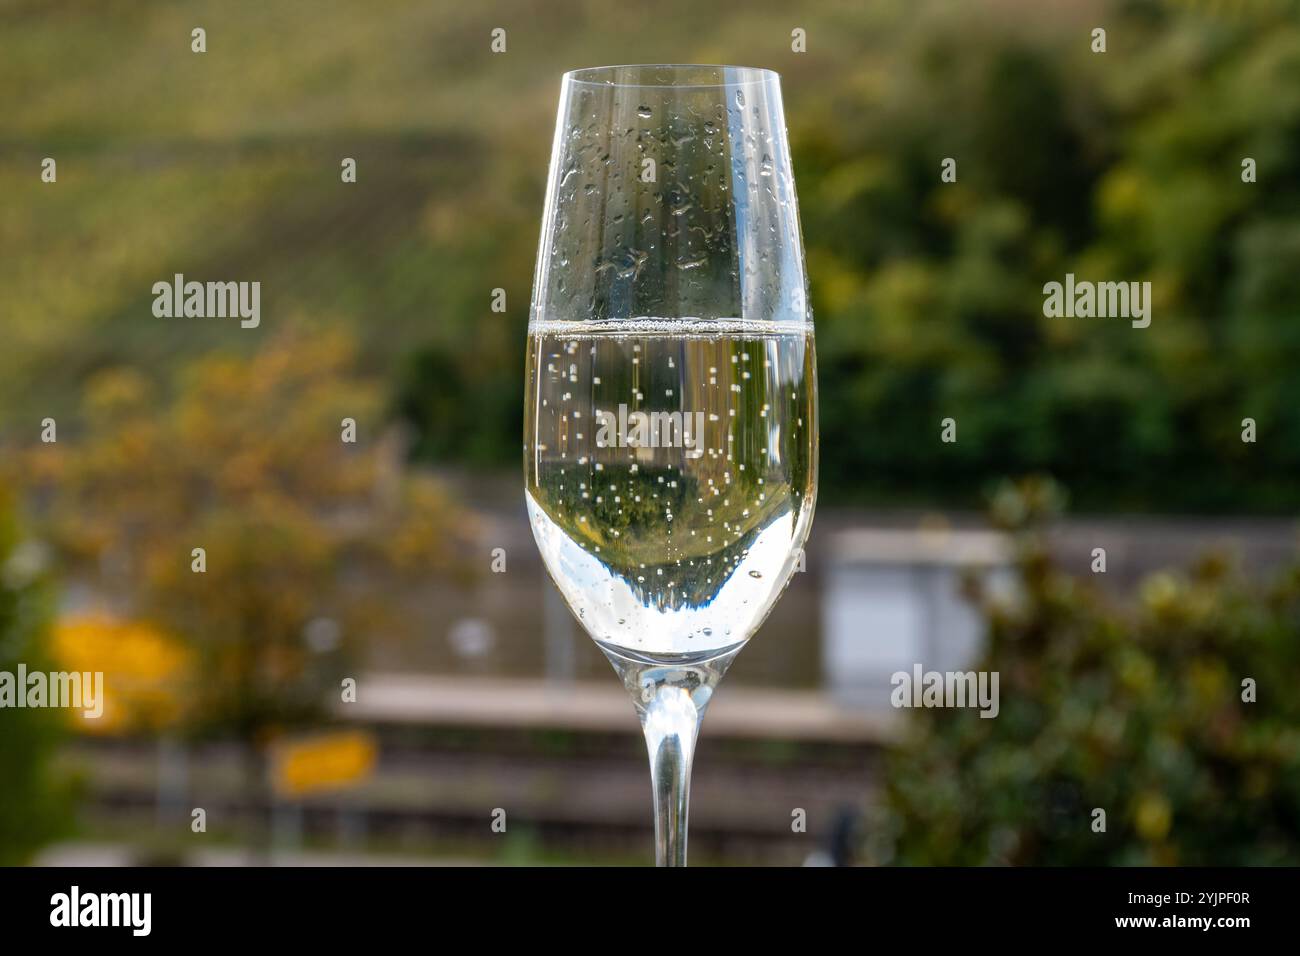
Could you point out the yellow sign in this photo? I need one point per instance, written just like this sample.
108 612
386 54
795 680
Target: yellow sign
327 762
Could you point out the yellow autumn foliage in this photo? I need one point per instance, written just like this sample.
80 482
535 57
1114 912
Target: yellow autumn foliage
145 670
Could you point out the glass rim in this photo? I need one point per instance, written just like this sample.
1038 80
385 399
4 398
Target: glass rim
745 75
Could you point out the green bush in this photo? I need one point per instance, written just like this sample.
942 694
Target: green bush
33 801
1133 707
1122 166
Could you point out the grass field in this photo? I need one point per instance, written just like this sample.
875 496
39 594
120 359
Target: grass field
226 164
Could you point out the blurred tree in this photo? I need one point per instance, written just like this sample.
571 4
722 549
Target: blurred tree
457 412
928 294
1138 711
307 538
34 804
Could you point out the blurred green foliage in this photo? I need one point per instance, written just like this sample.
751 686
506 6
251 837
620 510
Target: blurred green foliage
1136 709
1123 165
1117 166
34 800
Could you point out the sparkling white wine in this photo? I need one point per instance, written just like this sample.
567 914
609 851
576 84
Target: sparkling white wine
671 474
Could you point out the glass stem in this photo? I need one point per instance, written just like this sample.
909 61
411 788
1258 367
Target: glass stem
671 723
670 695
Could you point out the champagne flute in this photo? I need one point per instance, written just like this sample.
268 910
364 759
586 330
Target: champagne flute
670 446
